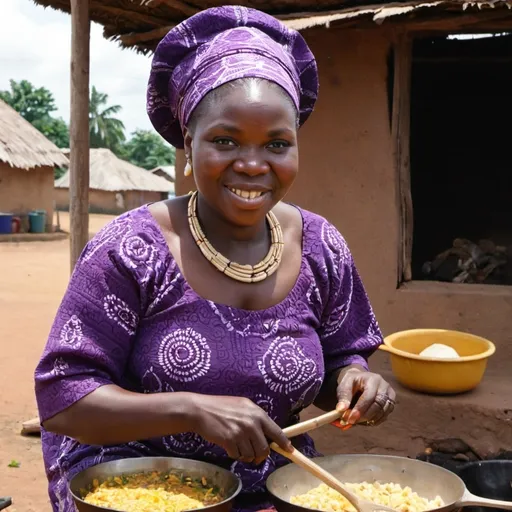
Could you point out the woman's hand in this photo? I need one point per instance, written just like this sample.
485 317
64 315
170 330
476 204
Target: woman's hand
371 397
238 425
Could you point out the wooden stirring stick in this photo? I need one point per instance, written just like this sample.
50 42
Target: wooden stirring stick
327 478
330 480
306 426
323 475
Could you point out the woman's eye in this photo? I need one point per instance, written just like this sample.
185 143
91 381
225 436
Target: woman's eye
278 144
224 142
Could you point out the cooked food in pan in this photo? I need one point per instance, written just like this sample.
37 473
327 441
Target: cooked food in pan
402 499
153 492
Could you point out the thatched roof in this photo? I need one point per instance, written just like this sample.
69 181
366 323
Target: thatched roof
140 24
110 173
24 147
168 170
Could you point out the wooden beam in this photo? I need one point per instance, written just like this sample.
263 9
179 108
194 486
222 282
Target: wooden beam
400 127
179 5
135 38
442 23
477 29
462 21
464 60
128 14
79 129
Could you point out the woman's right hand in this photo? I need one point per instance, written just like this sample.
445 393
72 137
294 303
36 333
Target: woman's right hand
238 425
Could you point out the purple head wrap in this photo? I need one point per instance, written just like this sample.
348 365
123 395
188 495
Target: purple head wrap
217 46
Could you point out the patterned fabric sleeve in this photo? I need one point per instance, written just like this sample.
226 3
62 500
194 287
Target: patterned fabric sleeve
93 331
349 333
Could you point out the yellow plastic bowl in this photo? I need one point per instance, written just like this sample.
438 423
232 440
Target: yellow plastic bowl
434 375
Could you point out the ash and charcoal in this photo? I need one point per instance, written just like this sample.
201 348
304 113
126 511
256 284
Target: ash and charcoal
451 454
468 262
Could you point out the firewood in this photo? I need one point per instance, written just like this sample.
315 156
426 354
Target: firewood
451 446
31 427
483 274
487 246
439 259
462 277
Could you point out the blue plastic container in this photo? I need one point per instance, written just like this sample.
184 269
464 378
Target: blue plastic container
5 223
37 221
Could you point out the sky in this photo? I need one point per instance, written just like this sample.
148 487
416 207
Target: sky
35 45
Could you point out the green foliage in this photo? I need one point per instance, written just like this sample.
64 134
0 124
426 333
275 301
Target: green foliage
105 130
144 149
58 172
36 106
33 104
54 129
148 150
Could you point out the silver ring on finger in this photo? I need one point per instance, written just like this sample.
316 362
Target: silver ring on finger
381 400
384 401
388 406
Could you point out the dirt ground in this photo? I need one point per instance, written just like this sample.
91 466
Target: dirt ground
33 278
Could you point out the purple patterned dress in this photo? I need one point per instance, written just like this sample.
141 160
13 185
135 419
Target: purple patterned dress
130 318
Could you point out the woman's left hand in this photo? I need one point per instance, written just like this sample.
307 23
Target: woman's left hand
374 398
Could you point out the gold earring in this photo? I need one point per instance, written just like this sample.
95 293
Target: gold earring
188 169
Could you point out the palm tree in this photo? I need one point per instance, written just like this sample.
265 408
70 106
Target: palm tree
106 131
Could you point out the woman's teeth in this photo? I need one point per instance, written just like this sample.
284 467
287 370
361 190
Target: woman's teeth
246 194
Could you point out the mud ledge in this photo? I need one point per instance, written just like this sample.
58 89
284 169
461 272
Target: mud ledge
481 418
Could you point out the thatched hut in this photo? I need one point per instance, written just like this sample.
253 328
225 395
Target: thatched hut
167 172
27 162
407 150
115 185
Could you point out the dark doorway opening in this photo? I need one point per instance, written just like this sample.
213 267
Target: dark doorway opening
461 159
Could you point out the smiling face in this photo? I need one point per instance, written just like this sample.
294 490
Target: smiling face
242 140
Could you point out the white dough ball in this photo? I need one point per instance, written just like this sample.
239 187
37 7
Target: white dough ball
440 351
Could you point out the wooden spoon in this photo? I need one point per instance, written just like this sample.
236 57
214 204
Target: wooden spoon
327 478
306 426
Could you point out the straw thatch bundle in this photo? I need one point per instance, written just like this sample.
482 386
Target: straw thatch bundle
167 172
110 173
24 147
141 24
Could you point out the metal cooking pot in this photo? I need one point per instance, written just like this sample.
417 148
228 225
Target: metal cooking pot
195 469
425 479
488 478
5 502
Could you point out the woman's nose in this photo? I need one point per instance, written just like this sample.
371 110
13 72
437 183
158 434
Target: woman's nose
251 162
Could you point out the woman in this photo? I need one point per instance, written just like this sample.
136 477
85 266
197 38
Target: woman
163 345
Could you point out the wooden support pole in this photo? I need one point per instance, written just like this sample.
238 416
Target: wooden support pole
401 121
79 129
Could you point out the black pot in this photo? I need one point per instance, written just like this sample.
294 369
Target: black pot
5 502
490 479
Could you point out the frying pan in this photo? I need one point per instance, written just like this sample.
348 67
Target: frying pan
425 479
489 478
193 468
223 478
